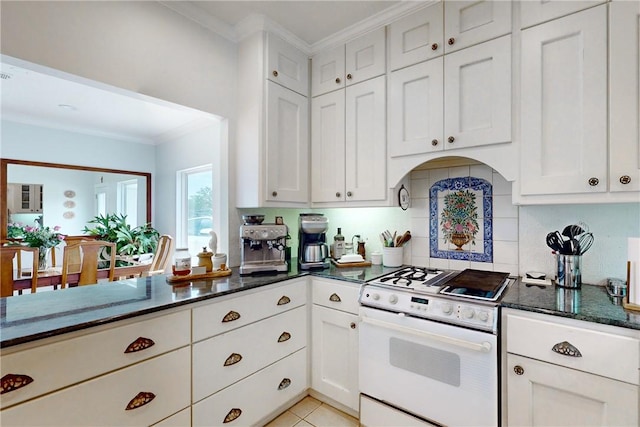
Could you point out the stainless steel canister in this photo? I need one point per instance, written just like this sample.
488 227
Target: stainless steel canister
569 274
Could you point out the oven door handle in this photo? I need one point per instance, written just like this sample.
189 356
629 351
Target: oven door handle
483 347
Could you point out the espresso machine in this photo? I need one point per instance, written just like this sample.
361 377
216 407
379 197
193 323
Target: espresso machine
313 251
262 246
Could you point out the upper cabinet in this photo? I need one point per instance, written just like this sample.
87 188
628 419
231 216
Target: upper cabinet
273 124
534 12
446 27
624 96
359 60
24 198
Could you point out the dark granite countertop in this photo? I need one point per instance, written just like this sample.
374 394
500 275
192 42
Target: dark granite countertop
589 303
31 317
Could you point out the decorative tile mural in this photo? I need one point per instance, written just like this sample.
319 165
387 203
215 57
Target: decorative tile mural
460 225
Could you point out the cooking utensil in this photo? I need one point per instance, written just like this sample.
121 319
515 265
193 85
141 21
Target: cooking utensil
401 240
572 231
555 241
584 243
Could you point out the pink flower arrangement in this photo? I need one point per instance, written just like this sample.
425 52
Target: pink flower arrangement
37 237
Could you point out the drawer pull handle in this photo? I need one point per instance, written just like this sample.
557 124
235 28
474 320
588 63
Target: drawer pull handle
231 316
286 382
11 382
233 359
140 344
285 336
232 415
284 300
566 349
335 298
141 399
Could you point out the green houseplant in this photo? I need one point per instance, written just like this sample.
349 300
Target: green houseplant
130 241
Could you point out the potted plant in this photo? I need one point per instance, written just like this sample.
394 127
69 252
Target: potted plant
43 238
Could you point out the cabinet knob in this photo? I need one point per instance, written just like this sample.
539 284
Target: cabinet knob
625 179
232 415
349 76
275 73
451 41
335 297
594 181
349 194
451 139
434 46
519 370
11 382
338 80
139 344
352 325
338 194
139 400
434 142
565 348
274 193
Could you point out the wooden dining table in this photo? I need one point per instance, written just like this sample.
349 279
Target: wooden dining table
53 276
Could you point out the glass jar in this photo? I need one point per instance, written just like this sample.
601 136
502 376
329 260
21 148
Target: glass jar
181 262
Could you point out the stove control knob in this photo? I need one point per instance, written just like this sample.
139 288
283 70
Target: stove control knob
483 316
393 299
447 308
376 297
468 313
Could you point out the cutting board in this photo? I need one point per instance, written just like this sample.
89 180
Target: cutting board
351 264
192 277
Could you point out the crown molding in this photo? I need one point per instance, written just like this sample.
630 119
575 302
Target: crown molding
257 22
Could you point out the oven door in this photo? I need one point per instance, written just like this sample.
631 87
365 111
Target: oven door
445 374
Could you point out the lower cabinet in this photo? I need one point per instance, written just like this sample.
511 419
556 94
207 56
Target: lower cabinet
141 394
247 402
334 344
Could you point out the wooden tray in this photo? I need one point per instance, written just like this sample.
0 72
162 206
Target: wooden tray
192 277
629 306
351 264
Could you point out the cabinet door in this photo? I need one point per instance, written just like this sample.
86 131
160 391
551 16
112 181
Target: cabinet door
335 355
534 12
470 22
543 394
365 153
287 65
416 38
366 57
564 105
328 147
287 147
477 93
624 108
415 109
327 71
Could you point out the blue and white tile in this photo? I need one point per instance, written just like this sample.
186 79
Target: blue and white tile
505 229
505 252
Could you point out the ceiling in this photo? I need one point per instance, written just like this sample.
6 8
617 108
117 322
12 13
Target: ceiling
40 96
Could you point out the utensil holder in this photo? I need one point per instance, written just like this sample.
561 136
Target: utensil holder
569 274
392 257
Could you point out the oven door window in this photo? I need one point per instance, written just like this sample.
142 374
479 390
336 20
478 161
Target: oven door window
442 365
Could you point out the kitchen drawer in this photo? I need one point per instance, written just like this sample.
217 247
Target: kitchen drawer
334 294
254 346
60 364
104 400
603 353
210 320
249 401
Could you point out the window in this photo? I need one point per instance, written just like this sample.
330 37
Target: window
128 201
101 200
195 208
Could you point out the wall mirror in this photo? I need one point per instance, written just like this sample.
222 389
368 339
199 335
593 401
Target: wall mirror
70 195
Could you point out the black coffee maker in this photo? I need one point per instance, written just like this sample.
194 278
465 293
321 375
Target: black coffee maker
313 252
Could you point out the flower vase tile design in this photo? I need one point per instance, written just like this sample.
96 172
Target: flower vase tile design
460 226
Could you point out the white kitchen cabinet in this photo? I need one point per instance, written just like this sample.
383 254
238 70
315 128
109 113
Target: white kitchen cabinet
444 28
287 66
564 105
335 341
24 198
349 144
560 372
624 96
272 138
473 88
534 12
359 60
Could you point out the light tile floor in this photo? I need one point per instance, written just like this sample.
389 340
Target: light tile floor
311 412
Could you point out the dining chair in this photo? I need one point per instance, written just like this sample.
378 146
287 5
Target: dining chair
161 256
8 273
91 254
